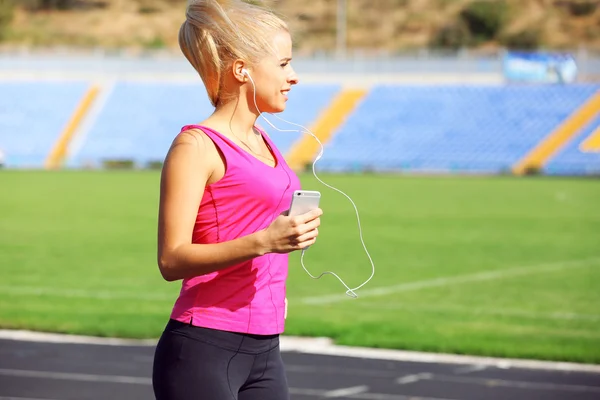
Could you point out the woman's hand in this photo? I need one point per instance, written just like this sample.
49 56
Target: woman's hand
287 234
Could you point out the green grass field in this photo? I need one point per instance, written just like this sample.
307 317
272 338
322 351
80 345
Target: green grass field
494 266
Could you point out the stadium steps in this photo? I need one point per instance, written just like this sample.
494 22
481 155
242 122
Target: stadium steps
456 128
58 154
137 120
592 144
329 121
32 116
549 146
574 159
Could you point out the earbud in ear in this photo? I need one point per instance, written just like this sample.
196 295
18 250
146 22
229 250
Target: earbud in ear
245 72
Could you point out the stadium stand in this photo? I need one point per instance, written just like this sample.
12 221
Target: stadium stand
140 120
32 117
411 128
455 128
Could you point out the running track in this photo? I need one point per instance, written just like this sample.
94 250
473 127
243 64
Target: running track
33 370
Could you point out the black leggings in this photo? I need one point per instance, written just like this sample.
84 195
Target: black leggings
194 363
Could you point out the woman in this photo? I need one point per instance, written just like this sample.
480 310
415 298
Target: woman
222 225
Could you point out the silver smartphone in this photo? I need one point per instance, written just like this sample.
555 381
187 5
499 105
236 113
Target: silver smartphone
304 201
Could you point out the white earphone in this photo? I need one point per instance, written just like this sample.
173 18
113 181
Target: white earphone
350 292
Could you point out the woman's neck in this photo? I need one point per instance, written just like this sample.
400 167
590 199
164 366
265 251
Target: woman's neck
233 118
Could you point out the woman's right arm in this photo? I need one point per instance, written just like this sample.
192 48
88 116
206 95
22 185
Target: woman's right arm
186 171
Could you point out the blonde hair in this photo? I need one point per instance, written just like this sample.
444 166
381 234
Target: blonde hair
217 32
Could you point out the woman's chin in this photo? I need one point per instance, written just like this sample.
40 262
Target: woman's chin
276 109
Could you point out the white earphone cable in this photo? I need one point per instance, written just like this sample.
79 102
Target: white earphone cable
350 292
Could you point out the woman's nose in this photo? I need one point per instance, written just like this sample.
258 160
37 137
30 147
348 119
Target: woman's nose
293 78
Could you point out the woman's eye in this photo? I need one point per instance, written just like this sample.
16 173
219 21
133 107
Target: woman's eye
284 65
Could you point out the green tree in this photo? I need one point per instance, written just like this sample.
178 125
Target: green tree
485 19
6 16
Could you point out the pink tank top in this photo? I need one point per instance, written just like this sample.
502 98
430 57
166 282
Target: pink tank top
247 297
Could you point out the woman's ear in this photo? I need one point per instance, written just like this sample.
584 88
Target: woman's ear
239 69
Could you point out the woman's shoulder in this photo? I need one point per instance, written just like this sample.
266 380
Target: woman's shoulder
195 134
194 138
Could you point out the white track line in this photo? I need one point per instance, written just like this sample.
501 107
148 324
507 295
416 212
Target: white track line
405 380
20 398
491 382
377 292
75 376
29 336
366 396
453 280
325 346
346 392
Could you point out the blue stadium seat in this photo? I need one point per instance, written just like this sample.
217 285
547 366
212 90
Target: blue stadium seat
140 120
444 128
454 128
32 117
